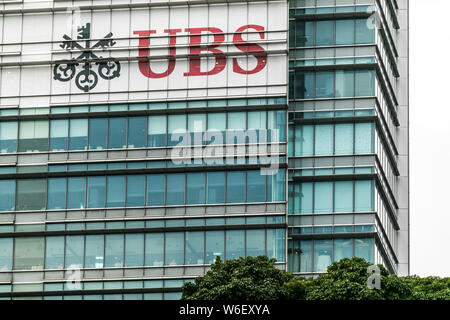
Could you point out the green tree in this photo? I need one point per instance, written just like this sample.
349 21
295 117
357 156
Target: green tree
251 278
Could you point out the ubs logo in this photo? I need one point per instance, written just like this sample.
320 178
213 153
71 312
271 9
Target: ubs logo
87 78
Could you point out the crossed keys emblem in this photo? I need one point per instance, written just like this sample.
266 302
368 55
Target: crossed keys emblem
87 78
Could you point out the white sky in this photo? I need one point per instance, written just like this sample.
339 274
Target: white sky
429 137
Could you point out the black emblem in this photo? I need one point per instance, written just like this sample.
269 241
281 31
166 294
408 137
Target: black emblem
87 78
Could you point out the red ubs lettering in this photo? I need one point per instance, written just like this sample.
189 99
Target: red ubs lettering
196 49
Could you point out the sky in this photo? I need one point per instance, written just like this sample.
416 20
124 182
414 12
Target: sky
429 137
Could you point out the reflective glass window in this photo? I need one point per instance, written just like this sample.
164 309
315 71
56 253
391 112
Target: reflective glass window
8 137
29 253
134 250
7 194
234 244
343 199
154 249
56 193
97 133
322 255
117 136
33 136
155 189
115 196
135 191
157 130
256 186
195 247
174 248
195 188
59 133
76 190
323 197
254 244
235 186
95 245
137 131
31 194
175 189
6 253
215 244
54 252
114 250
74 251
215 187
78 133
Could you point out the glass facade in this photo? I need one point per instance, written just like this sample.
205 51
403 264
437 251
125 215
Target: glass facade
141 178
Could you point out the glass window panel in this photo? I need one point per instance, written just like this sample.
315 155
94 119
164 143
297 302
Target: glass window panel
115 196
134 250
174 246
236 187
96 192
364 138
257 122
306 255
276 186
6 253
137 131
324 84
76 189
135 191
217 123
324 140
33 136
175 189
95 245
345 32
255 243
325 33
194 247
304 140
74 251
304 33
323 197
256 186
215 243
343 248
59 133
177 130
97 133
8 137
7 194
195 188
117 137
155 189
276 244
303 197
78 134
364 196
216 187
364 83
234 244
29 253
56 193
114 250
345 86
364 34
54 252
343 138
304 85
276 126
196 127
157 130
236 127
31 194
322 255
343 196
364 248
154 246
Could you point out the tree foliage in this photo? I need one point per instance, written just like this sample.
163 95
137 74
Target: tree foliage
258 279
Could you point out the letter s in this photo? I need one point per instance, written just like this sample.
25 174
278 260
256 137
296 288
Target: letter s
259 53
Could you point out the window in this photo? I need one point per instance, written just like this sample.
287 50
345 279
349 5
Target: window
304 85
96 192
56 193
343 200
216 127
303 198
365 83
306 256
59 132
345 84
256 125
196 127
95 245
76 189
256 186
97 133
195 188
304 140
154 246
136 191
155 189
194 247
343 138
304 33
137 132
216 187
325 33
324 139
215 243
114 250
343 248
364 34
323 197
175 189
234 244
115 196
364 196
364 138
177 130
134 250
254 244
276 186
276 121
78 134
8 137
31 194
276 244
117 137
74 251
236 187
236 127
29 253
33 136
324 84
6 254
54 252
157 128
7 193
174 248
322 255
345 32
364 248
